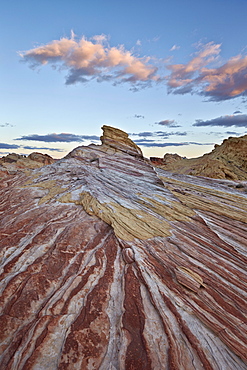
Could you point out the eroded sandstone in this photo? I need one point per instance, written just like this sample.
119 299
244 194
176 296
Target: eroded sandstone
108 263
14 163
226 161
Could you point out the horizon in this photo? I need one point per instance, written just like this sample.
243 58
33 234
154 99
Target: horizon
173 75
145 156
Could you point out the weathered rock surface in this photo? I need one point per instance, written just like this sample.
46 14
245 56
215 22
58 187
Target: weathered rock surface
168 159
110 264
13 163
226 161
45 159
120 141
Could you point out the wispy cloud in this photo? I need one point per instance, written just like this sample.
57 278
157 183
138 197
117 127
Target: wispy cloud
63 137
224 121
146 143
99 39
144 134
168 123
138 116
160 139
92 59
141 141
42 148
183 76
6 125
161 145
155 39
8 146
221 83
175 47
159 134
232 133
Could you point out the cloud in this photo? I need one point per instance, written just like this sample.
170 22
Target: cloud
155 39
166 134
140 141
42 148
8 146
86 60
178 133
145 134
196 143
63 137
224 121
100 39
94 59
161 145
175 47
182 75
159 134
138 116
225 82
6 125
145 143
168 123
232 133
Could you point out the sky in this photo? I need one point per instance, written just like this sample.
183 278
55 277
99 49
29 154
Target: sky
170 73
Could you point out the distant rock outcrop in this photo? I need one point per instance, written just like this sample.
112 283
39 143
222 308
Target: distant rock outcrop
226 161
13 163
109 263
45 159
166 160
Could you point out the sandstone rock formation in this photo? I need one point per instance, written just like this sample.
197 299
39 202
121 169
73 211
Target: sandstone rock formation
226 161
41 158
108 263
13 163
119 140
168 159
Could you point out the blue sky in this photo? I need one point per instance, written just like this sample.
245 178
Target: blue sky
173 74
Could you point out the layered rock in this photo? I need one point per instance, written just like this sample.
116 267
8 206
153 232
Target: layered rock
13 163
120 141
110 264
45 159
226 161
168 159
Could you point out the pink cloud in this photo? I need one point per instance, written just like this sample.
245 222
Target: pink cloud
221 83
182 74
227 81
95 59
87 59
